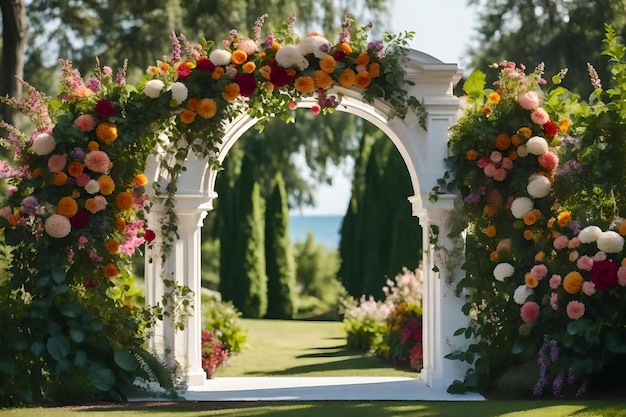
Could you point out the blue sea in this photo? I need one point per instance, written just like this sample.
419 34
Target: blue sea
325 229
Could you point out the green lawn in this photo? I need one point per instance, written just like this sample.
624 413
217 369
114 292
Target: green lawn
297 348
291 348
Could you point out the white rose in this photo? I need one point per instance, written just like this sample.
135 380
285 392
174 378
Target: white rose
522 293
503 270
522 151
610 242
521 206
220 57
537 145
179 92
539 186
92 187
289 56
589 234
153 88
43 144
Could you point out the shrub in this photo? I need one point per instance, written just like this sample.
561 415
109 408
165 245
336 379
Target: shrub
223 320
214 353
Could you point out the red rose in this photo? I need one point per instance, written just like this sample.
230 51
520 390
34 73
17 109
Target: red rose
550 129
80 219
279 76
205 64
339 55
149 236
104 109
247 84
604 274
183 72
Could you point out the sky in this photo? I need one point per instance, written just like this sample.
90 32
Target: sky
443 29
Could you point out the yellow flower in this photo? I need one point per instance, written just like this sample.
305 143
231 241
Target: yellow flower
564 125
265 71
564 218
67 207
347 78
217 73
207 108
531 281
141 179
490 210
540 256
493 98
525 132
304 84
106 132
347 49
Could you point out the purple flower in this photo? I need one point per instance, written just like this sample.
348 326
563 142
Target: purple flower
29 205
77 154
93 84
325 47
557 385
375 47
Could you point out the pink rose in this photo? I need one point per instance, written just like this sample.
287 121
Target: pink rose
500 174
560 242
555 281
529 311
540 116
528 100
575 309
585 263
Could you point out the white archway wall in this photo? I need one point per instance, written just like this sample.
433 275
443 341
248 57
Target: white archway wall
423 152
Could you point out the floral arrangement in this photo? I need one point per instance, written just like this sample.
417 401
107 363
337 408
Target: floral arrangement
75 206
391 328
214 353
545 266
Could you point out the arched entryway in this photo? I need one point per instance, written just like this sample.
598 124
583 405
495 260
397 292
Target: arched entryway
423 152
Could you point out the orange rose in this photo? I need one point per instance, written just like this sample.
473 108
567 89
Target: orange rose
93 146
207 108
75 168
37 172
503 142
493 98
622 228
564 218
249 67
531 281
67 207
573 282
265 71
471 155
304 84
374 69
192 104
328 64
515 140
91 205
363 79
107 186
217 73
60 178
124 200
112 246
347 49
106 132
491 230
363 59
120 224
322 80
347 78
187 116
141 179
230 92
239 57
525 132
486 110
110 271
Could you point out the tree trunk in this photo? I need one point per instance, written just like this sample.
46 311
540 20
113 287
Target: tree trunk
13 38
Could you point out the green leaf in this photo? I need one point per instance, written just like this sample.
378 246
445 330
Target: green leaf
37 349
58 275
77 335
475 84
58 347
576 327
80 359
125 360
103 379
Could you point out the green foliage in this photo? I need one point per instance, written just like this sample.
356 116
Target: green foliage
279 259
224 320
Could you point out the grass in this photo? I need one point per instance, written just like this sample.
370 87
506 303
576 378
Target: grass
299 348
289 348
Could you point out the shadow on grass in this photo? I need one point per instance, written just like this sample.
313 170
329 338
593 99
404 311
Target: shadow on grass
355 361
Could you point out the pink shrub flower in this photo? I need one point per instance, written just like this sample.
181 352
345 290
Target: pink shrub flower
573 243
97 161
573 256
539 271
85 123
548 160
600 256
575 309
57 162
554 301
555 281
589 288
621 276
499 174
528 100
495 157
560 242
490 170
585 263
529 311
58 226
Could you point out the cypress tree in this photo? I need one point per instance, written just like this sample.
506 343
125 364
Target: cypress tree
248 266
279 259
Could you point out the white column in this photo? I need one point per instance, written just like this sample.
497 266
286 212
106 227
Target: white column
442 314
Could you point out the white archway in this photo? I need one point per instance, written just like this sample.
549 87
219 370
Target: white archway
423 152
